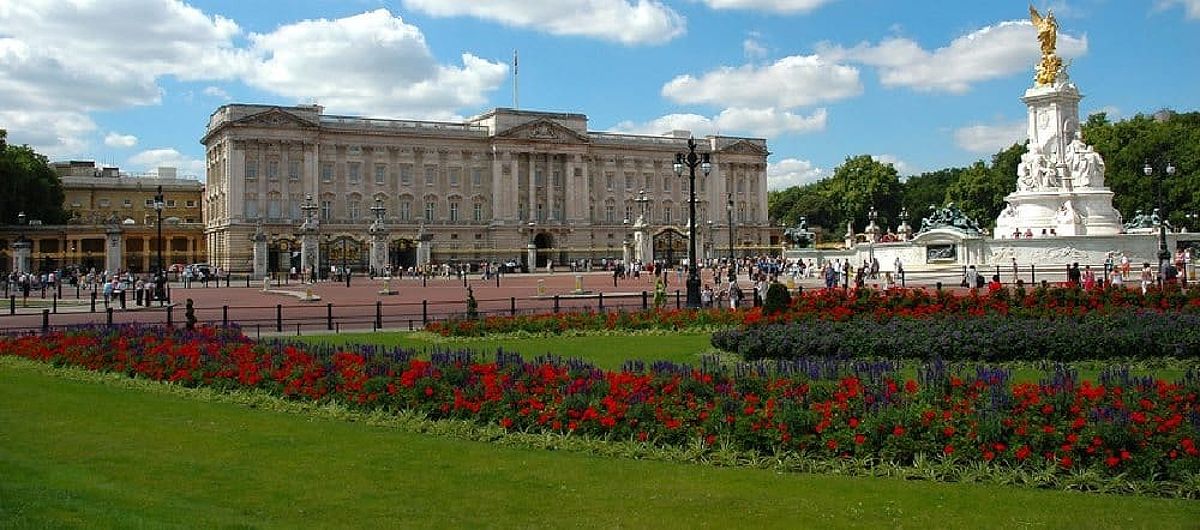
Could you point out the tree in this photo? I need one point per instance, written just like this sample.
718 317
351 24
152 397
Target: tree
28 184
980 189
928 189
860 183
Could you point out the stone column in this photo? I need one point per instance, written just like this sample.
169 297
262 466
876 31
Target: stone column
113 249
22 255
424 252
551 167
310 253
531 256
260 255
379 247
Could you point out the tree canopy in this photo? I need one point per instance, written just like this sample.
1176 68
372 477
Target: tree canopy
980 188
28 184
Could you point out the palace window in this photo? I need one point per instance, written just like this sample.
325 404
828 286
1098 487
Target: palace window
293 170
355 172
539 180
251 207
740 185
608 180
355 210
667 214
629 213
477 214
126 203
453 211
405 175
610 213
558 181
477 177
666 183
251 168
405 210
380 174
430 175
272 169
326 210
170 203
430 210
327 171
629 181
274 208
455 173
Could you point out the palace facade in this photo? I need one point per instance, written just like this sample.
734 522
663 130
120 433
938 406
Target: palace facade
483 189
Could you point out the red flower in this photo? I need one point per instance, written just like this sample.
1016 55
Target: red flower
1023 452
860 439
853 422
1112 461
506 422
832 444
898 431
949 449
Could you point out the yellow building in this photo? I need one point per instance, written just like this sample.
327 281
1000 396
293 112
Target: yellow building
103 202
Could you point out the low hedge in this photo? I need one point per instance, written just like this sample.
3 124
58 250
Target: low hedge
1093 336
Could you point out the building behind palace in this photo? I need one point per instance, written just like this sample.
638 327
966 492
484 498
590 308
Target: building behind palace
105 203
480 190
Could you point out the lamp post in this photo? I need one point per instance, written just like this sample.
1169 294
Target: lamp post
872 232
1164 255
22 247
732 266
691 160
159 272
1192 217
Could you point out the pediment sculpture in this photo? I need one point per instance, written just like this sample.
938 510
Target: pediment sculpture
950 217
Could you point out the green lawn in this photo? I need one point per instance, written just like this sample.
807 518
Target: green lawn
105 455
610 351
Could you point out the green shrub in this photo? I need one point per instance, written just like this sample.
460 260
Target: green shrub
777 299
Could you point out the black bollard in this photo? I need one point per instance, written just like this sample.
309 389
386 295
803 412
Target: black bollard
45 320
600 298
12 304
645 300
512 305
939 286
93 301
424 312
555 303
678 303
279 318
378 315
170 316
224 315
108 316
329 317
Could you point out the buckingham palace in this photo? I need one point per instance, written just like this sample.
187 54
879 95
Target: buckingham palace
506 185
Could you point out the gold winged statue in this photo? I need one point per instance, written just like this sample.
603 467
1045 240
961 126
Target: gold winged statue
1047 34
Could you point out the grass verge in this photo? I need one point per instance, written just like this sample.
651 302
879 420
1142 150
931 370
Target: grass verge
98 450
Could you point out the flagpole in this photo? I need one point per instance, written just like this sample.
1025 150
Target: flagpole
516 82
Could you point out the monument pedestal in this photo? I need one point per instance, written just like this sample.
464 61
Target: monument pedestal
1060 180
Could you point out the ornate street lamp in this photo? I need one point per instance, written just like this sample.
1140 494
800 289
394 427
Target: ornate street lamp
872 232
691 161
1164 255
709 254
160 271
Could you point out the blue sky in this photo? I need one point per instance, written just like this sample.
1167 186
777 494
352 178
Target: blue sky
924 85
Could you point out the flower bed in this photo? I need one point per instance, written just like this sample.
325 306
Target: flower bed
838 304
1117 429
1140 334
588 321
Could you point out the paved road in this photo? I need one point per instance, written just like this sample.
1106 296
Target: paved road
355 307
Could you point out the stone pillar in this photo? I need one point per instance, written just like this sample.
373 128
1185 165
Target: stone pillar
551 167
22 255
261 261
113 249
379 248
424 252
310 253
531 256
626 252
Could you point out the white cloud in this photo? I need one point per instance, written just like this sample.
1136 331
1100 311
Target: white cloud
66 59
118 140
372 63
216 92
791 172
988 53
752 48
902 167
1112 112
630 22
763 123
1191 7
791 82
774 6
990 138
769 122
56 134
152 159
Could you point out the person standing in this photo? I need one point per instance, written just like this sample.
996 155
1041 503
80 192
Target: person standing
1147 277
